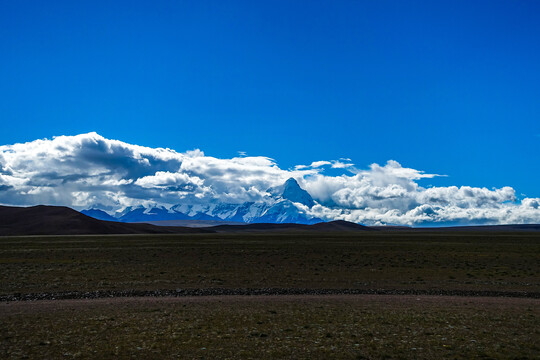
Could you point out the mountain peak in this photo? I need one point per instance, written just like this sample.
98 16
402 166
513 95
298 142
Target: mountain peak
293 192
292 182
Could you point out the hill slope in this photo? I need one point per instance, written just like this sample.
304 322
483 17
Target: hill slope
332 226
59 220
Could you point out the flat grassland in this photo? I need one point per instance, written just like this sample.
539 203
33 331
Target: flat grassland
303 326
272 327
455 261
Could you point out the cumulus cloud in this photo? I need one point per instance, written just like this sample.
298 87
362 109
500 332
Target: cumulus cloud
89 170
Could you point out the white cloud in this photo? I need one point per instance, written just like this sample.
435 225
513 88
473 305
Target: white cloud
88 169
335 164
313 165
341 165
318 164
166 179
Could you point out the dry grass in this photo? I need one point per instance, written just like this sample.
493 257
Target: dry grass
349 327
458 261
308 327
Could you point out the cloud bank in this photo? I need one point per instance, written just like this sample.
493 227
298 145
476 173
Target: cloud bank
89 170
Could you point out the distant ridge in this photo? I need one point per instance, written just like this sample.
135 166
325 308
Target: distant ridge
193 223
340 225
60 220
331 226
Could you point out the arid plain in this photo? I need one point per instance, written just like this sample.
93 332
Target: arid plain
297 294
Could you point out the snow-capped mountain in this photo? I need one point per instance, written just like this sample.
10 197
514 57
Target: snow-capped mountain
293 192
98 214
140 214
286 204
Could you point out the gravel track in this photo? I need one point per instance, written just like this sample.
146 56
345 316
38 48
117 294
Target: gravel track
101 294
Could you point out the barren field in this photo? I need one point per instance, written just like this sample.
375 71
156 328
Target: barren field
272 326
458 261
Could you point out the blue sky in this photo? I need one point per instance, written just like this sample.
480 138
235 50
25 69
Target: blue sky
448 87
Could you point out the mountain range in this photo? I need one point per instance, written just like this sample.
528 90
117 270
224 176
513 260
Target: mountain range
60 220
284 204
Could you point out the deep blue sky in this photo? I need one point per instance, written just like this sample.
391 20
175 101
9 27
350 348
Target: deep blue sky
450 87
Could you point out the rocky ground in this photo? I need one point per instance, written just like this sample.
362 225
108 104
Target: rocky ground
101 294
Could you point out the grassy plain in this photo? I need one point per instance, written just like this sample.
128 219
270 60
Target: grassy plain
282 327
451 261
268 327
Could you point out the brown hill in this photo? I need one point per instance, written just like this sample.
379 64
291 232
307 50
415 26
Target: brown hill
331 226
340 225
193 223
60 220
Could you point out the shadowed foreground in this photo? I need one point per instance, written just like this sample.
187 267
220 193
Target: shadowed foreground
268 327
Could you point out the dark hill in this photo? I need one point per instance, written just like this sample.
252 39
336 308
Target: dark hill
340 225
332 226
59 220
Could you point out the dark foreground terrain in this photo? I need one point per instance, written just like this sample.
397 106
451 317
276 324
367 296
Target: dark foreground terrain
270 327
366 260
408 324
